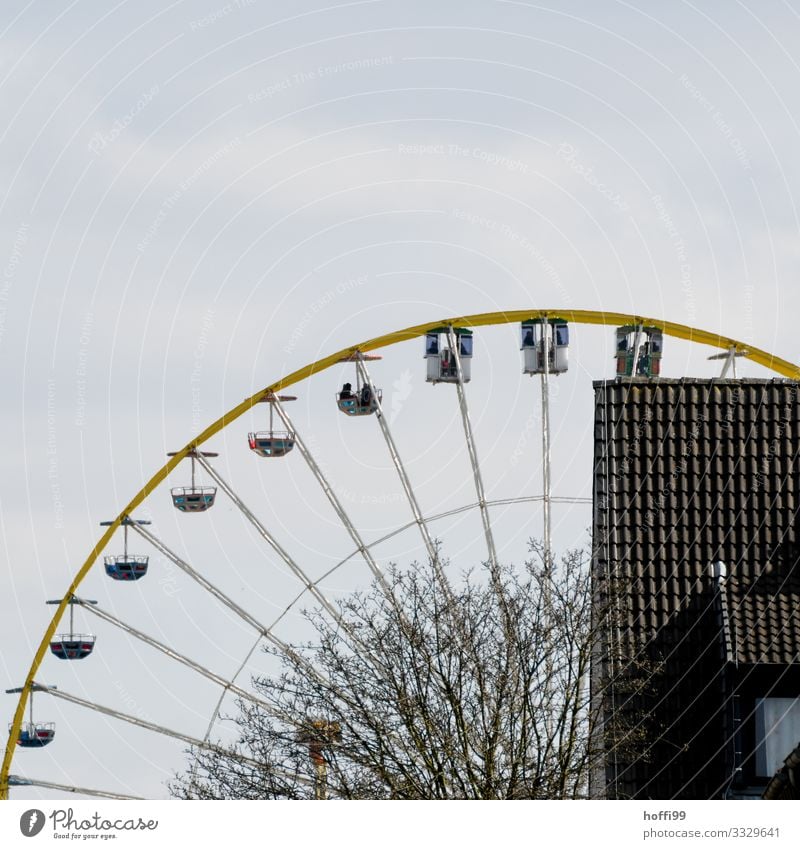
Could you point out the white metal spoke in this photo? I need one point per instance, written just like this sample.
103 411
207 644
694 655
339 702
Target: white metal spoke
227 686
177 656
275 545
637 344
398 463
546 329
473 454
498 502
228 602
308 584
266 632
135 720
218 705
158 729
206 584
730 362
19 781
335 503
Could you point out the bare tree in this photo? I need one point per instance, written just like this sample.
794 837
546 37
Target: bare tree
421 689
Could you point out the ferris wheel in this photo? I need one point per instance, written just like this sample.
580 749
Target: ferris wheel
449 348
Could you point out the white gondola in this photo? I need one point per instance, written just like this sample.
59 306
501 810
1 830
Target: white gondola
441 360
194 498
545 346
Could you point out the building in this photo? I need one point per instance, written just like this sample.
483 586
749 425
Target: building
697 527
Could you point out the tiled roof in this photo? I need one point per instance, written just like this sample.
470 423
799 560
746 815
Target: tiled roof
764 614
689 472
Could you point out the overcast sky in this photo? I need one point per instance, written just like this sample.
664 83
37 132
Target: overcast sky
198 197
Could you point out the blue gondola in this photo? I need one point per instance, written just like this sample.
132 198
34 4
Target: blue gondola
359 403
271 443
193 499
126 567
365 399
33 735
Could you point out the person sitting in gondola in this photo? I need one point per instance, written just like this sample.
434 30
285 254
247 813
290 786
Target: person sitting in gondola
643 364
347 391
366 395
448 363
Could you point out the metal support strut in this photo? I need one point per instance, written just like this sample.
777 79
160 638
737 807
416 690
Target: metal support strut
274 544
228 602
159 729
546 330
335 503
398 463
473 454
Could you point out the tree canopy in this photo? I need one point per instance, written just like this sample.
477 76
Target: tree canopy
425 688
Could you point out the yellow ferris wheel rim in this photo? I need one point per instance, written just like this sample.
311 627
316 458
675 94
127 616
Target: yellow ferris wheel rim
679 331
